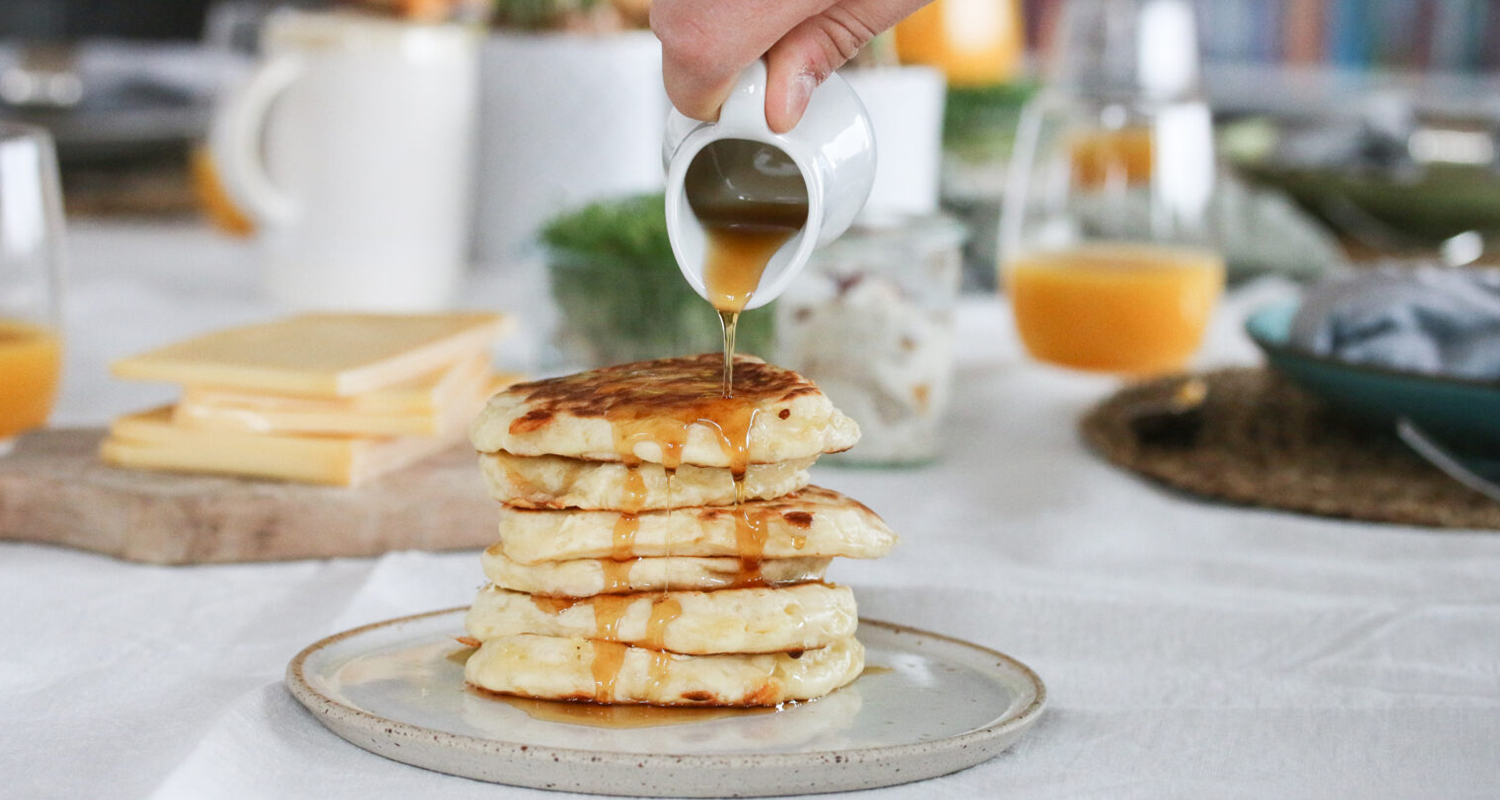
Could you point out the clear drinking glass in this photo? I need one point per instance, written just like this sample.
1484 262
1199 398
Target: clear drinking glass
31 231
1104 243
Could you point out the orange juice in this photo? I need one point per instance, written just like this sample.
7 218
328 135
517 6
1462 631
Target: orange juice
1100 157
974 42
30 361
1115 307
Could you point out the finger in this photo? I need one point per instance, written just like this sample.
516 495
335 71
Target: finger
707 43
812 50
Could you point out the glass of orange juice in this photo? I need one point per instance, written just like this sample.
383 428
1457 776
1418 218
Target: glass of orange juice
974 42
1106 250
31 228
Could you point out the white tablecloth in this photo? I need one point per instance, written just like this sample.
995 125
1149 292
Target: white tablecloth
1191 649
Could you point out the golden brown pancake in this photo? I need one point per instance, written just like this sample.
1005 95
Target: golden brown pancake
558 668
585 577
669 412
814 522
558 482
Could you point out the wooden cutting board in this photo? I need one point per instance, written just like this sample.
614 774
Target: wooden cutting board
54 489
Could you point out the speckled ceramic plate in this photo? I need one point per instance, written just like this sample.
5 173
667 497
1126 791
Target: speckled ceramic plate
926 705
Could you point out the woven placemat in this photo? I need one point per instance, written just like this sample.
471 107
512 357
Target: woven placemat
1258 440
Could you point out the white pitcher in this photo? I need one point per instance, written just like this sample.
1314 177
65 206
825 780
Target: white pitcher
833 148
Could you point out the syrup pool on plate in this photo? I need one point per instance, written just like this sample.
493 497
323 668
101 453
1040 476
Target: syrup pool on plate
1115 306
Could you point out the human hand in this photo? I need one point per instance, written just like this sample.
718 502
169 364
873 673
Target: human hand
706 43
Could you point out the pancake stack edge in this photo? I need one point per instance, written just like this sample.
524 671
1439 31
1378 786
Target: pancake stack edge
660 544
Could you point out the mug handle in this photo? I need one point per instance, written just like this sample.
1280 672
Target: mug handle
235 140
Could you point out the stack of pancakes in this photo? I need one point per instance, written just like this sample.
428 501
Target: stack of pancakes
660 544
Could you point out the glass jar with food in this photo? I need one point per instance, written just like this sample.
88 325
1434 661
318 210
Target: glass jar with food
871 321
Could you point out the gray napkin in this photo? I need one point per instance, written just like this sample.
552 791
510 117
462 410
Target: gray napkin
1430 320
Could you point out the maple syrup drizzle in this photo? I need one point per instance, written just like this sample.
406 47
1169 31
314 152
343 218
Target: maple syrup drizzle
657 404
665 419
749 539
617 575
554 605
669 435
635 488
623 544
670 547
609 609
609 655
741 240
661 665
664 611
605 666
749 529
730 321
751 199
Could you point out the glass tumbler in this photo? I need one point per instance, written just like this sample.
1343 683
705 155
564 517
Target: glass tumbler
31 264
1105 247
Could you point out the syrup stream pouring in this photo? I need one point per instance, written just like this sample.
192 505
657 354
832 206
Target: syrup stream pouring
751 200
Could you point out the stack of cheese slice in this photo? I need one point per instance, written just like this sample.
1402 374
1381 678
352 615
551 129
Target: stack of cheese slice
318 398
660 544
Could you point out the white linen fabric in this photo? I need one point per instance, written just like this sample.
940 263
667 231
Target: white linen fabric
1191 649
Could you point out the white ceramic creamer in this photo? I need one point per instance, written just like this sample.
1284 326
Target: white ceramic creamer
832 149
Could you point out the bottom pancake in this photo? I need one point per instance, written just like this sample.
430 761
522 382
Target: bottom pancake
556 668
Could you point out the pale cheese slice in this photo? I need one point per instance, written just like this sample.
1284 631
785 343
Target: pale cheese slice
427 407
323 355
150 440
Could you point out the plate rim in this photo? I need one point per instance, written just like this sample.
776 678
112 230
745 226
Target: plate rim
303 691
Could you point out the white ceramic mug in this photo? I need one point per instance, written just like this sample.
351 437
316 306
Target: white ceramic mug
565 120
351 145
906 110
833 147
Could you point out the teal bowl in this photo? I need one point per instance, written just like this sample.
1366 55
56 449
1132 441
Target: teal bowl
1464 414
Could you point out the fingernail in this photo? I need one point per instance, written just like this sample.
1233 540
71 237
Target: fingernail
798 94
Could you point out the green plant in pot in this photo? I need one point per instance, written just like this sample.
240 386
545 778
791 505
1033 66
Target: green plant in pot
620 295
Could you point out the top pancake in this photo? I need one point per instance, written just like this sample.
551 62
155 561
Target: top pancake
668 412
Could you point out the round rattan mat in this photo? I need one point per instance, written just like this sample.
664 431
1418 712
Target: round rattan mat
1258 440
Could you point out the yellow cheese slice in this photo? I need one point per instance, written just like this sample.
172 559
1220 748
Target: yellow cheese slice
150 440
324 355
425 407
